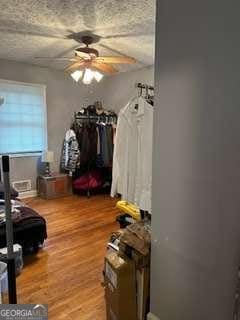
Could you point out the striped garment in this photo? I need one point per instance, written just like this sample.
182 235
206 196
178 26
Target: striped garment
70 152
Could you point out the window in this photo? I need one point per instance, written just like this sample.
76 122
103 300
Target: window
22 118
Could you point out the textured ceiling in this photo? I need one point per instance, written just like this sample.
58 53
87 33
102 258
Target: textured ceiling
30 28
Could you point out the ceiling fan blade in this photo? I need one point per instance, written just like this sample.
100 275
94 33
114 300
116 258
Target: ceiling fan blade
103 67
82 55
59 59
118 60
75 65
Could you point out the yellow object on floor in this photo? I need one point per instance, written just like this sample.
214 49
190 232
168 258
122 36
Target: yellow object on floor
130 209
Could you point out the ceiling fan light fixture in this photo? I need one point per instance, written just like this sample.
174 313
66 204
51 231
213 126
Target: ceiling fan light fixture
98 76
77 75
88 76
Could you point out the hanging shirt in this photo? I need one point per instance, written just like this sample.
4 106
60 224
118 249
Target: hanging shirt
143 192
70 152
124 156
132 159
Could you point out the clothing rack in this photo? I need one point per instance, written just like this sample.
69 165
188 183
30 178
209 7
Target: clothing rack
106 118
87 117
146 91
144 86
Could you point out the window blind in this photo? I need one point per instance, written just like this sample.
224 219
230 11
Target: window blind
22 118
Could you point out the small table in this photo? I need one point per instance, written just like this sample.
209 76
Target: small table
55 186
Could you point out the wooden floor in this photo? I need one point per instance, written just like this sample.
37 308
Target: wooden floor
67 273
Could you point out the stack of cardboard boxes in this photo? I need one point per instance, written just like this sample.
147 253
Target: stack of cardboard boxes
127 275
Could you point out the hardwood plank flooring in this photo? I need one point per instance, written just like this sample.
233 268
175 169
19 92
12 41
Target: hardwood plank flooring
67 273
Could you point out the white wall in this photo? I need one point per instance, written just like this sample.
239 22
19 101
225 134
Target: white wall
63 98
117 90
196 160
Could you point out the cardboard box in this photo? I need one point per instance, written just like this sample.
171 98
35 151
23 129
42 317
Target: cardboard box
120 288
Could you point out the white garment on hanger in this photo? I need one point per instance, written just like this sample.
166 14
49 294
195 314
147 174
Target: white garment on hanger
125 150
68 136
132 159
143 192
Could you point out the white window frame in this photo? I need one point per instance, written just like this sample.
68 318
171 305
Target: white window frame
44 87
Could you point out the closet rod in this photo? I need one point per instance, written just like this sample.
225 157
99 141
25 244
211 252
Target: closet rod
94 117
144 86
78 116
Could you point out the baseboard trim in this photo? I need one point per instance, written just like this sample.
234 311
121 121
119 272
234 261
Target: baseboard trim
151 316
27 194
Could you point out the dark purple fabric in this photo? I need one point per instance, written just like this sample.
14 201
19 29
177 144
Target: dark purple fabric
27 214
29 230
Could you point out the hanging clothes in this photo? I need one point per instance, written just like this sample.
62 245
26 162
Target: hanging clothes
70 152
93 128
132 158
96 144
106 144
88 140
109 134
103 144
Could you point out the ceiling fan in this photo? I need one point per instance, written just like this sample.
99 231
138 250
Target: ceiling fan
88 64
